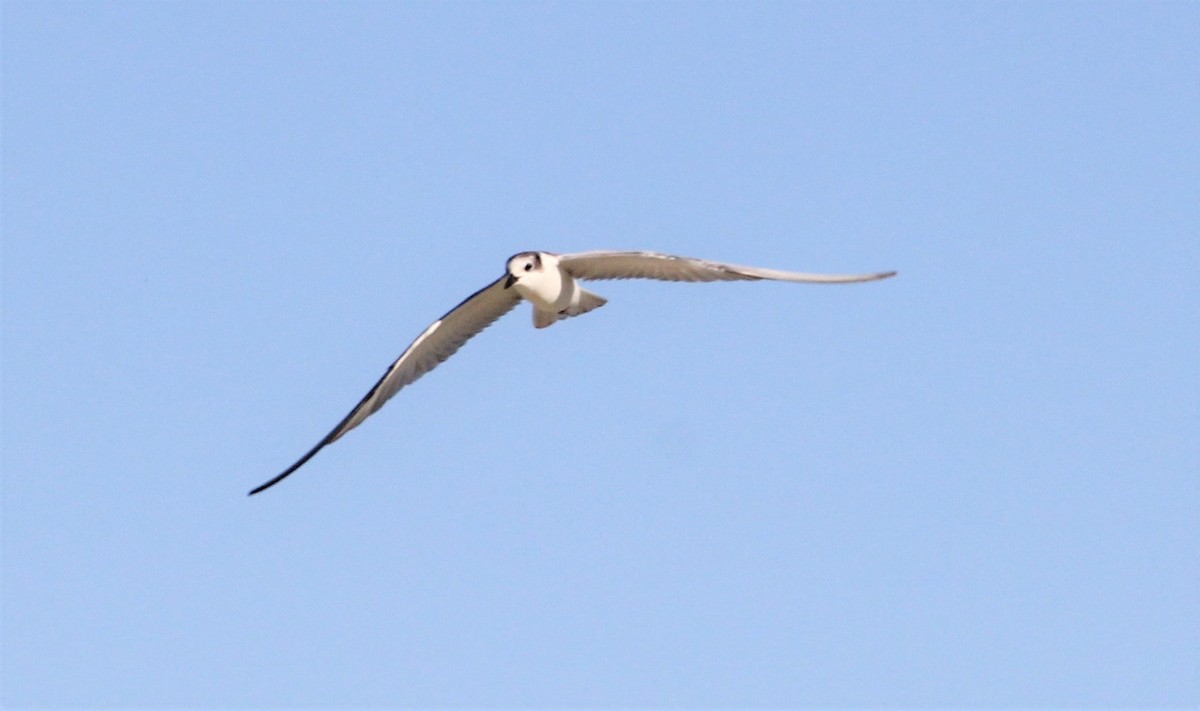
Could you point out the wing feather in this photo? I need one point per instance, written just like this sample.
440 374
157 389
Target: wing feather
666 267
435 344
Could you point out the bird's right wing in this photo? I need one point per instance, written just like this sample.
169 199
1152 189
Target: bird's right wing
666 267
432 347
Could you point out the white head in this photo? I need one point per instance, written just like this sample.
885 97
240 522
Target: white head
521 264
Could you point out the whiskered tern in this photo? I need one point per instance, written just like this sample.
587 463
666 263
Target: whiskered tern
551 283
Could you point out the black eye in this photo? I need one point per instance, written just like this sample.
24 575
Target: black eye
528 267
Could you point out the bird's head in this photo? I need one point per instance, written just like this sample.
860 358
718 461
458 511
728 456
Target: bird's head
521 264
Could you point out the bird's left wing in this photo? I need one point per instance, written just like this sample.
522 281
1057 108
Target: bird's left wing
434 345
666 267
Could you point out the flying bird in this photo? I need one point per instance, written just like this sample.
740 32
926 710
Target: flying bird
551 283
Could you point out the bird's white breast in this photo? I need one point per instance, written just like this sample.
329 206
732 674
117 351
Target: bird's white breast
548 288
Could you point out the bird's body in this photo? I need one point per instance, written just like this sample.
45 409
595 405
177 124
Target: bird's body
552 290
550 282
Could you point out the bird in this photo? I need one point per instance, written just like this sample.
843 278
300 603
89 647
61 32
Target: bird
550 282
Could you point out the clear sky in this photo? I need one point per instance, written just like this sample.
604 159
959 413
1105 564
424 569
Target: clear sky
974 484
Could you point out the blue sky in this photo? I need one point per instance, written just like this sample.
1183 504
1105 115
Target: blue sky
974 484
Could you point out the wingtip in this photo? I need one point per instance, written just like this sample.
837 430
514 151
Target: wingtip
260 488
268 484
309 455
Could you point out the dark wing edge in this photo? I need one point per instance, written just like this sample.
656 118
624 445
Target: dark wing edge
472 315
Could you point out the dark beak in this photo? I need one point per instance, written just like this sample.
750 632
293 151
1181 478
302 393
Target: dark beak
510 281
